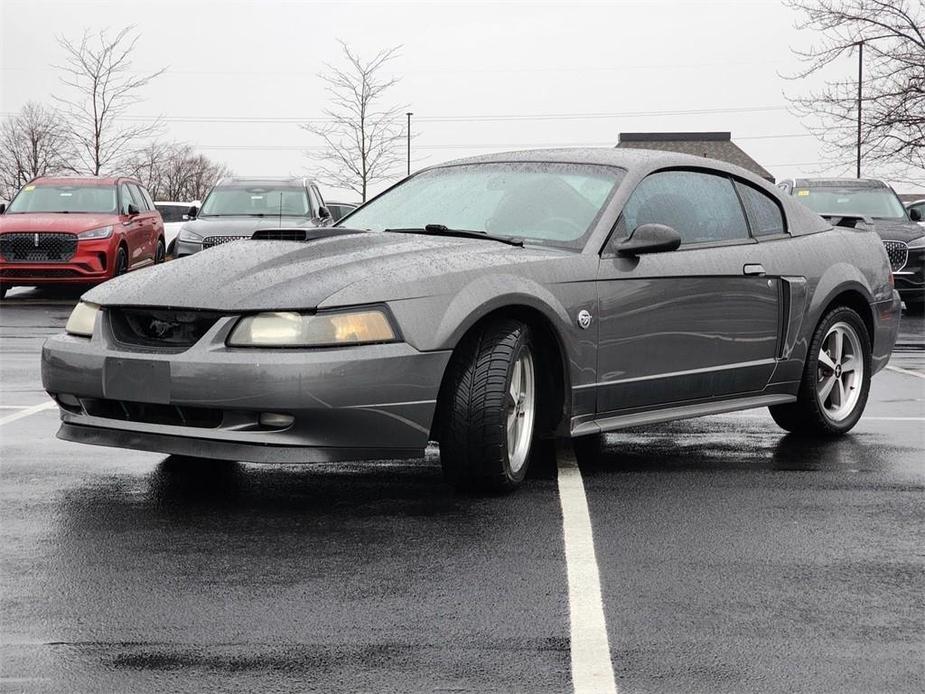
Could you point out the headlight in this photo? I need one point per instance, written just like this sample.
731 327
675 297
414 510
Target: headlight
189 236
290 329
917 243
101 233
82 319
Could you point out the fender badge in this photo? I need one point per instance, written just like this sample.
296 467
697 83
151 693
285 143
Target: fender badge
584 319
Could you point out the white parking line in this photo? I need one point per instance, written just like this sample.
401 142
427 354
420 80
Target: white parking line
907 372
592 669
864 418
27 411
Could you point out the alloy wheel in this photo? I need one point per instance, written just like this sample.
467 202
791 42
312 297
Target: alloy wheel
522 409
839 372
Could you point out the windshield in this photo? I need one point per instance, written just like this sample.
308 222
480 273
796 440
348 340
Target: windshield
881 203
256 200
547 203
64 197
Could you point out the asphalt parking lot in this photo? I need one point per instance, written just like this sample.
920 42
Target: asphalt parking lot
731 558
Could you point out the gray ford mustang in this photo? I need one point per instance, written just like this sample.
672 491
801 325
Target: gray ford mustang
489 305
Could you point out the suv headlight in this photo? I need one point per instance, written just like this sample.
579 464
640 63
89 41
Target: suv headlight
101 233
292 329
82 319
189 236
917 243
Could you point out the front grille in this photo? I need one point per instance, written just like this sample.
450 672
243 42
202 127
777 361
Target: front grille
163 330
41 247
176 415
210 241
30 274
898 253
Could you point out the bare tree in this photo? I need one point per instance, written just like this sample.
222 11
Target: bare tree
890 32
99 71
362 138
175 171
33 142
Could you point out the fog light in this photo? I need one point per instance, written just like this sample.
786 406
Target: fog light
276 420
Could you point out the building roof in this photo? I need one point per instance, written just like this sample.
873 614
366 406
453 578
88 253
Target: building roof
715 145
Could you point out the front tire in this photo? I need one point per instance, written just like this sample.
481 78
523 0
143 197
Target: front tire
121 262
836 378
160 252
488 409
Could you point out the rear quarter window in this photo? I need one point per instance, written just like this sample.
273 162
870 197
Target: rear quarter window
764 213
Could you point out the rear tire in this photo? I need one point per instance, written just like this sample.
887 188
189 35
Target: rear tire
488 408
836 378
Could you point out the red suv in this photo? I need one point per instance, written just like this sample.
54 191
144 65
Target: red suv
77 230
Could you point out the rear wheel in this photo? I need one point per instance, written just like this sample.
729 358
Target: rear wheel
121 266
836 378
488 409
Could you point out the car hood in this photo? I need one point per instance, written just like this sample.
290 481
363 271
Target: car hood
72 223
255 275
897 230
243 226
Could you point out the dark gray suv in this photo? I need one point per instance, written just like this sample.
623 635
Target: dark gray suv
874 203
237 207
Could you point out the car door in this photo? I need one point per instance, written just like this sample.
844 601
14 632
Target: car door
133 226
150 219
691 324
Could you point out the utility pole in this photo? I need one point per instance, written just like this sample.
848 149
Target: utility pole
409 114
860 80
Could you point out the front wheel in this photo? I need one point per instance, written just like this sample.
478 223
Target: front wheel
160 252
488 409
836 378
121 262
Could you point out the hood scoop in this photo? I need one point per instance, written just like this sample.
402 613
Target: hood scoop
308 234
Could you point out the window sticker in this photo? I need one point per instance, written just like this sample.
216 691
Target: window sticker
28 188
802 193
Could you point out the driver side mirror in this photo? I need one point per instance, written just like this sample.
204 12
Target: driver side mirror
915 215
650 238
2 207
191 212
132 210
324 212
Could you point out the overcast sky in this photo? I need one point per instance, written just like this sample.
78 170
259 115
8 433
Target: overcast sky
479 77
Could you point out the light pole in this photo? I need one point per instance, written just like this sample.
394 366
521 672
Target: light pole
860 80
409 114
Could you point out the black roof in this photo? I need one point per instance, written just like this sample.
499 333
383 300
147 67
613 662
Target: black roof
714 145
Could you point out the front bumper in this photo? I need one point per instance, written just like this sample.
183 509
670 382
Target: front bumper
364 402
91 264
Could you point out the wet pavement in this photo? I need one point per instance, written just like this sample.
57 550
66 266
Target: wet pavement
732 558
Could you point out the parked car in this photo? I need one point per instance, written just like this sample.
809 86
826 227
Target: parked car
339 210
174 215
873 202
490 304
237 207
78 230
916 211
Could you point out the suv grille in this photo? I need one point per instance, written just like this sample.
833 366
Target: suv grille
898 253
210 241
279 234
41 247
161 330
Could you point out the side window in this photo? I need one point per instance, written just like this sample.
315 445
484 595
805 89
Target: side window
126 199
313 197
318 196
701 207
149 203
140 202
764 213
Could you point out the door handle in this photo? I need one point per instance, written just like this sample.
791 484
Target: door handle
754 269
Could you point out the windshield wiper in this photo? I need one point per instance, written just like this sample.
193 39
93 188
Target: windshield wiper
442 230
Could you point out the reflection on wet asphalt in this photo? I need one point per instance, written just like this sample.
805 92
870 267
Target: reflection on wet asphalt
732 558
